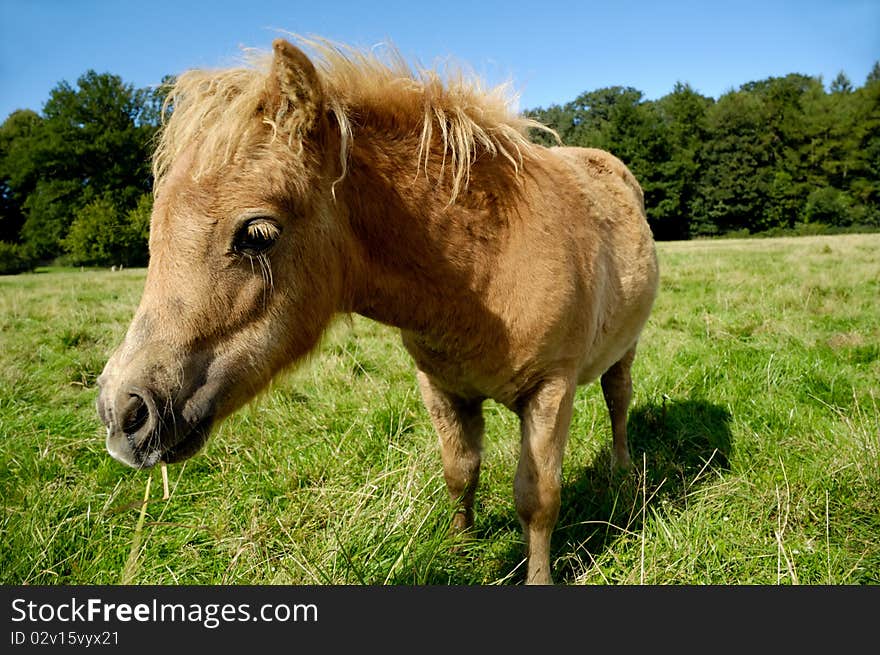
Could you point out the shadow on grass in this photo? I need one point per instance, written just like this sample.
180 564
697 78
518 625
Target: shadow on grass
673 444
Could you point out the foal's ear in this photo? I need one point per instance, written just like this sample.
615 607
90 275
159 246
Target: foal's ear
294 96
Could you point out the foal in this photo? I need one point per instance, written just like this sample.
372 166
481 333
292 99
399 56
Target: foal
288 195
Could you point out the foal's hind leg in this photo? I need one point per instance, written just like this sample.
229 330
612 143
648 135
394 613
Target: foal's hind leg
617 389
459 425
544 421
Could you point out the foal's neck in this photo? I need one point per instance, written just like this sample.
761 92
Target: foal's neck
419 262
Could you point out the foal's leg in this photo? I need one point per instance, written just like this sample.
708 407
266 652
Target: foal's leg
544 423
617 389
459 425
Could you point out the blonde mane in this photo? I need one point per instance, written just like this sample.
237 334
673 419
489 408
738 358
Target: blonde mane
218 110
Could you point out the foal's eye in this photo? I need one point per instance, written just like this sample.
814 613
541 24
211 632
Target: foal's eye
256 236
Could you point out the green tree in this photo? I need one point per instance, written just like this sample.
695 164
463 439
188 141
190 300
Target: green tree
18 170
101 234
684 113
92 141
755 175
15 258
829 206
99 134
731 186
841 84
863 174
49 209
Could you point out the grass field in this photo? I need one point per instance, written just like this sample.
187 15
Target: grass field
755 430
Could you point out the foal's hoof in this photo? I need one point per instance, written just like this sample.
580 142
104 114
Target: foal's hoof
461 522
460 531
621 463
541 577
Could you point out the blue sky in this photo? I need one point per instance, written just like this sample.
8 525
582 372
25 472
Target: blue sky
551 51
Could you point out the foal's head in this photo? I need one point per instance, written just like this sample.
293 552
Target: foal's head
244 172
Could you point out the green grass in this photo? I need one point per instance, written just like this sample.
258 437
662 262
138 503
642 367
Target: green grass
755 430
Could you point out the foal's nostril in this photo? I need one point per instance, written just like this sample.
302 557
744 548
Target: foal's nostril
133 427
134 415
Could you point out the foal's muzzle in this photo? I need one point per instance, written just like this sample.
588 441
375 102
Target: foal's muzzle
139 434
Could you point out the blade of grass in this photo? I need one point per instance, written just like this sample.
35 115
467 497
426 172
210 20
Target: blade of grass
130 568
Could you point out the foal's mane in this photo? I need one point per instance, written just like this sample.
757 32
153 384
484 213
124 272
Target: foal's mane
218 109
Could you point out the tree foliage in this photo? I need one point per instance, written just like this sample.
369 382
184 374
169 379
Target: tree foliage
775 154
101 234
86 156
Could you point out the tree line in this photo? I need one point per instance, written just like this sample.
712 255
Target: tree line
781 155
778 155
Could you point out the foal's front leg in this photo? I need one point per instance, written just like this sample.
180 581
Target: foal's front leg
544 423
459 425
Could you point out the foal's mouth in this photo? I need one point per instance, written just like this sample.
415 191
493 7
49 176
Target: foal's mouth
190 444
160 446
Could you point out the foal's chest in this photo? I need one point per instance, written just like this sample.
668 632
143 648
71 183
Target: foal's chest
467 370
